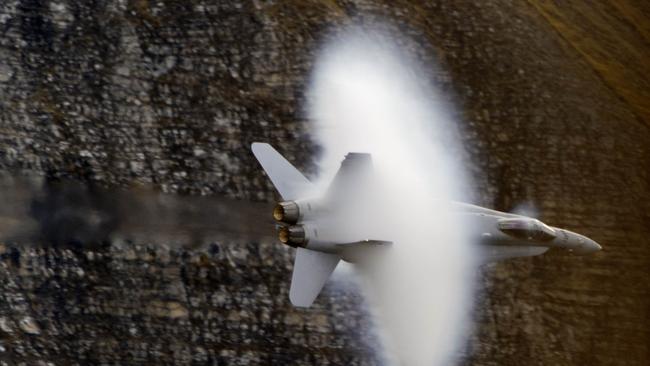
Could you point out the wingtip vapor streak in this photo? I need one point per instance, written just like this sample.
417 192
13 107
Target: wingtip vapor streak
311 224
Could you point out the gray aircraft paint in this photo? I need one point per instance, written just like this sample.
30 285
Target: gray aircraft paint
320 245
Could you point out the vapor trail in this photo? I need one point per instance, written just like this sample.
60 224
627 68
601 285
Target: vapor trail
368 96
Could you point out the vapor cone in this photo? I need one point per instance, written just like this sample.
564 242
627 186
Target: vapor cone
367 96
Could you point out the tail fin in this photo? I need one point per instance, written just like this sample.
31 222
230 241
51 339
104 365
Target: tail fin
289 182
310 272
311 268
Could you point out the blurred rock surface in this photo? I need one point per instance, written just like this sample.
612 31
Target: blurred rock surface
170 94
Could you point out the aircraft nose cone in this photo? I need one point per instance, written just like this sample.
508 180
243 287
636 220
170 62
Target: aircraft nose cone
587 246
592 247
596 246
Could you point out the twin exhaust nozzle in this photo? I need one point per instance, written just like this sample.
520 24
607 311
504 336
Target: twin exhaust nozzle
289 213
293 236
286 212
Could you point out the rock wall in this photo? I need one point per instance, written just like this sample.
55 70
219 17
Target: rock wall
170 94
141 305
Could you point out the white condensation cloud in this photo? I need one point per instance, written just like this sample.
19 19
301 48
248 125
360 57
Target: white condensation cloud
367 95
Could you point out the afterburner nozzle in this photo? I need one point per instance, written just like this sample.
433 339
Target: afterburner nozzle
287 212
293 236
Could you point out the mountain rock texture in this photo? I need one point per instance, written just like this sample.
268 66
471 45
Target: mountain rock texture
169 95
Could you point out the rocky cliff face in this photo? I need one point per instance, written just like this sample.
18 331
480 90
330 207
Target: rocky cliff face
141 305
170 94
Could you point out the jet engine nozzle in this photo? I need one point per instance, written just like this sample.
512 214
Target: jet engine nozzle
287 212
293 236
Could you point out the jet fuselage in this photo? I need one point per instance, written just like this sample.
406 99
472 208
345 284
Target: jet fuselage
309 224
506 235
337 224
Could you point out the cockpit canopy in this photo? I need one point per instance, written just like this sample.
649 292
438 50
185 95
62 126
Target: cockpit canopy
527 229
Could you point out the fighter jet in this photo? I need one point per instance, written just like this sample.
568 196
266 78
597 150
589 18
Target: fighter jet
312 224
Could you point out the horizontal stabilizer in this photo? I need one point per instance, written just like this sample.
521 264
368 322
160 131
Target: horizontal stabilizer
289 182
310 272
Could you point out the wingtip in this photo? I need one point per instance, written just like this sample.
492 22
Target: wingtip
259 146
299 303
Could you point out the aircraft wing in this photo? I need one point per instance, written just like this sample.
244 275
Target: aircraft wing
289 182
310 272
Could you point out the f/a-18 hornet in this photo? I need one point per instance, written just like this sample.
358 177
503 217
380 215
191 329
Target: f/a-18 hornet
310 224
